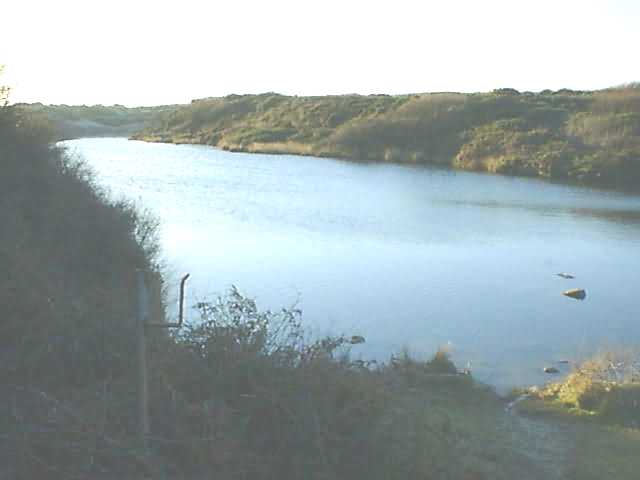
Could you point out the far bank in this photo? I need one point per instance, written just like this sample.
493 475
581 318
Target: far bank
586 137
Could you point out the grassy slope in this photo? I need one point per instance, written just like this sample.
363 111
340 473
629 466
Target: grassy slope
68 258
593 137
93 121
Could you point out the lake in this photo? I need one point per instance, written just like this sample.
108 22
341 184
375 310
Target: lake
409 257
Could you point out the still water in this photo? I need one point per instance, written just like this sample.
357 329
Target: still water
408 257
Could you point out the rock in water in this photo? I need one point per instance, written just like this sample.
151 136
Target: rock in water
356 339
568 276
550 370
577 293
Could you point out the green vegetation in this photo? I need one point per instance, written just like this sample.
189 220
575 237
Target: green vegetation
92 121
68 258
585 136
254 398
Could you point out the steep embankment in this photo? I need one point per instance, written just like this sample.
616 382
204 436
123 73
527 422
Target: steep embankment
592 137
68 256
93 121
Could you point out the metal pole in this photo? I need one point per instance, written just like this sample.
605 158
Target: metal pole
142 321
143 394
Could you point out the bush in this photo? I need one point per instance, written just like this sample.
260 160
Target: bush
441 363
282 405
606 386
290 394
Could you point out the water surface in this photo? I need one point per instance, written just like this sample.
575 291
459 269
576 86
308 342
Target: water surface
409 257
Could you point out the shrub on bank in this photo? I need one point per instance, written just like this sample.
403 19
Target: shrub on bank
251 384
606 387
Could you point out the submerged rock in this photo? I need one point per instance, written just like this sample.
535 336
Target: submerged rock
577 293
568 276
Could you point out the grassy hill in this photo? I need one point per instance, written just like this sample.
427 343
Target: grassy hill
586 136
92 121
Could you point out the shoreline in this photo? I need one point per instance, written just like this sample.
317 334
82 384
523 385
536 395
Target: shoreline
321 154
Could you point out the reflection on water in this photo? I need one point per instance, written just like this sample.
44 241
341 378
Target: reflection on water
405 256
627 217
624 216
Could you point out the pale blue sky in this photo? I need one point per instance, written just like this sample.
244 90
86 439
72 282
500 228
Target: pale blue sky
142 52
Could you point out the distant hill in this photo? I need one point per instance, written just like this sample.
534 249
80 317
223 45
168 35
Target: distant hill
592 137
93 121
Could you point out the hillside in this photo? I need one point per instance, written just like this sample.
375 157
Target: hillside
68 259
592 137
92 121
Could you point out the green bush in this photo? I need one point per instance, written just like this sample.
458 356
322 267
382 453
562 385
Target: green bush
282 405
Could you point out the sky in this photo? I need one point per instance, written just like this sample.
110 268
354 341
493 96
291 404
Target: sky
140 52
